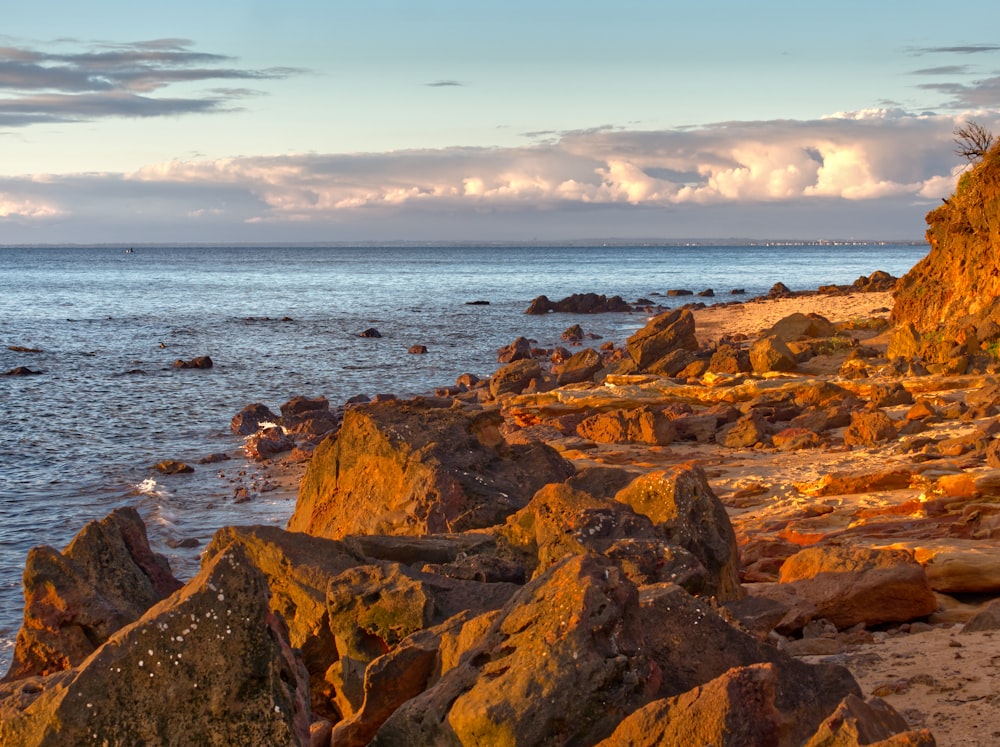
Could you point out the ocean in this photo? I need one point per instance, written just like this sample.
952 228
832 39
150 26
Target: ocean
78 439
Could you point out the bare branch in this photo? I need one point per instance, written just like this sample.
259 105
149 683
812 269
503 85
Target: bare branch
972 141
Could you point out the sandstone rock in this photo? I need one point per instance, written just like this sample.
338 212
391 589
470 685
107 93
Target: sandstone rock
579 367
673 363
889 395
856 723
746 432
579 303
417 350
266 443
371 333
22 371
987 618
684 508
958 566
846 483
771 354
800 326
664 333
573 333
779 290
878 281
795 439
308 416
250 419
172 467
106 578
735 709
201 361
869 427
730 359
209 665
640 425
514 378
850 585
411 469
904 343
558 665
518 350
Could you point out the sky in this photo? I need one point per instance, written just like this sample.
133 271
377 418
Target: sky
396 120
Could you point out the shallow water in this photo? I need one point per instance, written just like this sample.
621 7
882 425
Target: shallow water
279 322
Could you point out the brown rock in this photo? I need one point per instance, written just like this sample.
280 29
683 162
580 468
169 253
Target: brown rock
851 585
904 343
641 425
771 354
172 467
106 578
559 664
889 395
684 508
746 432
856 723
846 483
800 326
412 469
735 709
869 427
266 443
209 665
663 334
514 378
730 359
250 419
201 361
579 367
794 439
518 350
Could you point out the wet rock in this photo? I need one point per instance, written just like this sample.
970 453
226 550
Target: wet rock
308 416
22 371
410 469
417 350
251 418
579 303
640 425
211 663
75 600
371 333
214 458
171 467
683 507
267 443
572 333
663 334
202 361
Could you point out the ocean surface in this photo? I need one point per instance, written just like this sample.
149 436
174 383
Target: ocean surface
78 440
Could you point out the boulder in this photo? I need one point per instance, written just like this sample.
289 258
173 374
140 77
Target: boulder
639 425
201 361
683 507
172 467
855 723
663 334
870 427
106 578
417 350
371 333
518 350
769 354
573 333
736 709
413 469
579 303
987 618
308 416
850 585
799 326
514 378
209 665
559 665
730 359
251 418
266 443
750 430
581 366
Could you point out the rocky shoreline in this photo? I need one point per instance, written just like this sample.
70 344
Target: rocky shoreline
782 531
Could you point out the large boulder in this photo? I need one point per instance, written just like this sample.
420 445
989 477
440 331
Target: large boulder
560 664
850 585
413 469
799 326
639 425
515 377
664 333
106 578
209 665
769 354
682 506
579 367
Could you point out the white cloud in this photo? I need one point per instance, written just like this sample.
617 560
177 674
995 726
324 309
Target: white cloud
16 206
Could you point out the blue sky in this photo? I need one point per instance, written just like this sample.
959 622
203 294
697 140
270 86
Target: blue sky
332 121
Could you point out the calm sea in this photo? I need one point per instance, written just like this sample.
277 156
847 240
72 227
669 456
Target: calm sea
77 440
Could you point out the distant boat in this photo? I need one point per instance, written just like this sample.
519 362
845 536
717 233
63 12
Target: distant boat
130 250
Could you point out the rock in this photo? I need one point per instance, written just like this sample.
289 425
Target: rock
796 439
878 282
958 566
800 326
779 290
214 458
707 293
856 723
202 361
579 367
987 618
730 359
572 333
749 430
850 585
579 303
22 371
674 292
411 469
371 333
266 443
308 416
736 709
518 350
106 578
251 418
514 378
673 363
558 665
641 425
771 354
209 665
171 467
663 334
686 511
870 427
846 483
889 395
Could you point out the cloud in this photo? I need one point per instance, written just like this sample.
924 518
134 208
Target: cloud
980 94
957 49
944 70
444 84
121 80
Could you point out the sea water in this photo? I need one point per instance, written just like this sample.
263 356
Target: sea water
78 440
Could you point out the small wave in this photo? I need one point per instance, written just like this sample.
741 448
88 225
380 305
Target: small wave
148 487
